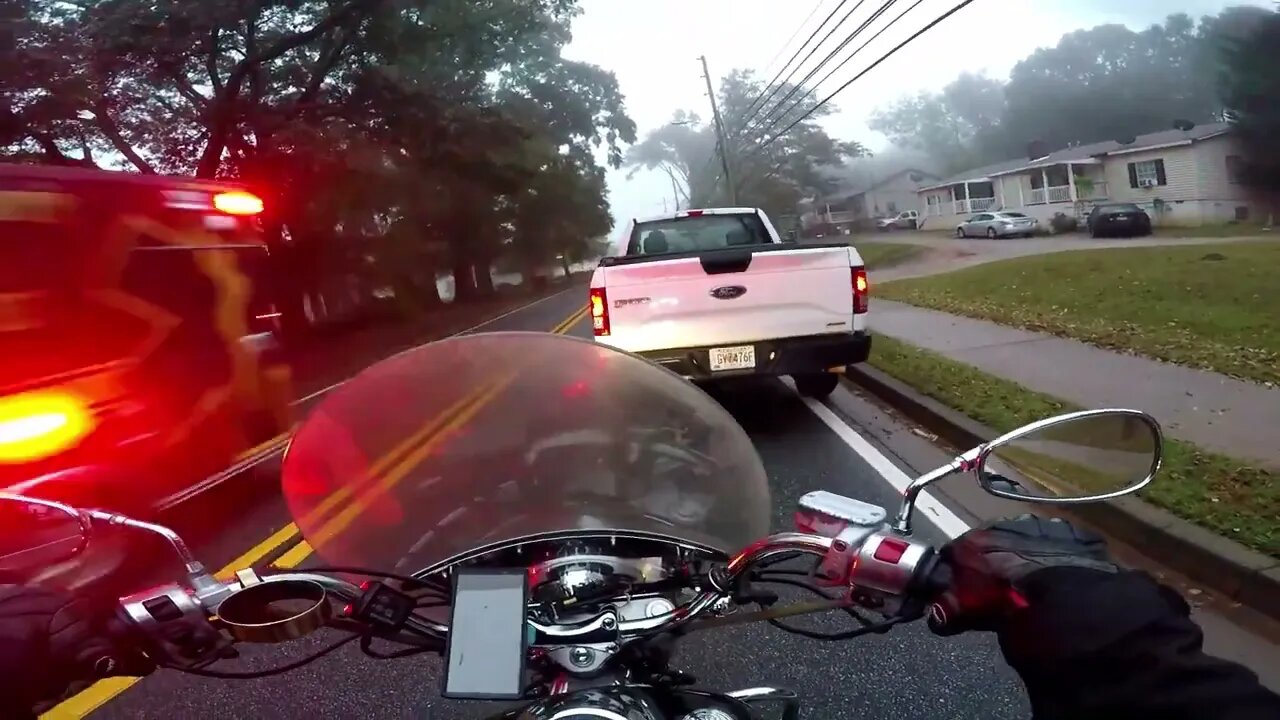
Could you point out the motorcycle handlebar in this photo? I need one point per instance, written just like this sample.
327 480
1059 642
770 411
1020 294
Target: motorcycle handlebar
878 561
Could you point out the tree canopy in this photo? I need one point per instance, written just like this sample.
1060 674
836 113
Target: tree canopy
773 176
1251 93
1103 83
440 120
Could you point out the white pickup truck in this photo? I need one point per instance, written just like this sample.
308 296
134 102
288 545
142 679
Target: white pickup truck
716 292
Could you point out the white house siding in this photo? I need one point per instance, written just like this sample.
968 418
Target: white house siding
1219 197
947 220
895 196
1181 191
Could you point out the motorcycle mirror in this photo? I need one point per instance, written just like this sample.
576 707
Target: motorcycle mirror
36 533
1075 458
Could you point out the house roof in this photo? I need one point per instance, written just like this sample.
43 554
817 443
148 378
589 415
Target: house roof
863 186
979 174
1164 138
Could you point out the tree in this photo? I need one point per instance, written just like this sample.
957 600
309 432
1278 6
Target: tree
1099 84
556 217
956 127
419 121
1109 82
776 164
1251 94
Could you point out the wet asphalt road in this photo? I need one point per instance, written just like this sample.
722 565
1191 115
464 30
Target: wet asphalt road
905 674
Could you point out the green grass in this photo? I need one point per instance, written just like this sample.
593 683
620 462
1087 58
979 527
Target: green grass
1212 306
1211 490
1215 231
881 255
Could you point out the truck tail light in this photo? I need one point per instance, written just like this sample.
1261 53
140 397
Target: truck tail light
238 202
599 312
861 290
34 426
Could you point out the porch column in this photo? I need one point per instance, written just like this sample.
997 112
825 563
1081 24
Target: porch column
828 206
967 206
1021 203
1044 184
1002 204
1071 183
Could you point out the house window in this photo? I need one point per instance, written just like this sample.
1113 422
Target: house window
1147 173
1235 169
892 207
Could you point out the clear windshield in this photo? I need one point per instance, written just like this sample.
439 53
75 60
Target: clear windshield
487 438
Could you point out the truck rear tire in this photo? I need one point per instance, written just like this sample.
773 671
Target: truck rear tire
816 385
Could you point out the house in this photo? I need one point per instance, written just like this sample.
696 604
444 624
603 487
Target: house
1180 177
862 203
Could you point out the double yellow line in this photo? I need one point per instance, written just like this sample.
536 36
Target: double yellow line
391 468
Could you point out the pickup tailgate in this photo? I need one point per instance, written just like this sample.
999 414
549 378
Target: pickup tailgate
729 296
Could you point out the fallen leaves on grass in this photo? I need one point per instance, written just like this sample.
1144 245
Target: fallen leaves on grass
1162 302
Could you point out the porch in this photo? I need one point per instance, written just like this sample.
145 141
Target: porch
1067 183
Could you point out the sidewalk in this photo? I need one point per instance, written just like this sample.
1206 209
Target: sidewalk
1233 417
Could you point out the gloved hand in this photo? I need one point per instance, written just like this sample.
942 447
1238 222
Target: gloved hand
53 645
993 567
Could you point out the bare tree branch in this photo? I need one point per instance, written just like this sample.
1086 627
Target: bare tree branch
186 90
51 150
339 42
109 128
211 61
224 116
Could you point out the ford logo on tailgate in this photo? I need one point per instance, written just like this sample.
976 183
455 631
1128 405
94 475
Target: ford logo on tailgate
728 292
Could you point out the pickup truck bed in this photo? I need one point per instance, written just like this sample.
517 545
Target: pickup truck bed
716 293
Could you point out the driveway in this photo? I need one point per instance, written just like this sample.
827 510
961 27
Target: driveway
950 253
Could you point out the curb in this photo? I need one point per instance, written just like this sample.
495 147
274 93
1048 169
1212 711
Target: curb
1243 575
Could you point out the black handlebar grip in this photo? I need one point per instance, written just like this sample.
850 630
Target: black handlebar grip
944 610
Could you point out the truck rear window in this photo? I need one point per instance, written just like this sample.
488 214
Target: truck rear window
695 234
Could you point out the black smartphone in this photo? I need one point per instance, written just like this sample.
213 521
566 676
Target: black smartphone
488 641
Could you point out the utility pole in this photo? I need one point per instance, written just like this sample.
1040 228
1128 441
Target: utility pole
722 141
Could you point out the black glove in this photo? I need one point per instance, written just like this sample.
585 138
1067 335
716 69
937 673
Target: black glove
992 569
53 645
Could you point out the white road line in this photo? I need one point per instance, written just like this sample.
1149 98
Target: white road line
926 505
473 328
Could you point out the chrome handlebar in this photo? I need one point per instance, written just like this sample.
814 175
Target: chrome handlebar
853 558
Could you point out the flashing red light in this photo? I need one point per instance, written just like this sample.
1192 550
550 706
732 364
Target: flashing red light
861 290
693 213
238 202
34 426
599 312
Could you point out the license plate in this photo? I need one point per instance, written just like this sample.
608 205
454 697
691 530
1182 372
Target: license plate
1121 217
741 357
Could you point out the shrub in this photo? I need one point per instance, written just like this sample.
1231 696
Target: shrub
1062 223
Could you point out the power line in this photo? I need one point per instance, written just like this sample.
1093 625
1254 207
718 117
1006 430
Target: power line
757 102
958 7
765 123
794 35
860 48
762 118
809 93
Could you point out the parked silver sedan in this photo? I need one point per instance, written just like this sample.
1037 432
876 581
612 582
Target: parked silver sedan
997 224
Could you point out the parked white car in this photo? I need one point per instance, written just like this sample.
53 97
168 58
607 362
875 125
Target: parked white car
716 293
997 224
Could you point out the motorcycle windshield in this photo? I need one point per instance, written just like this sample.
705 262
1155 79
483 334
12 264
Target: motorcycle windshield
489 438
